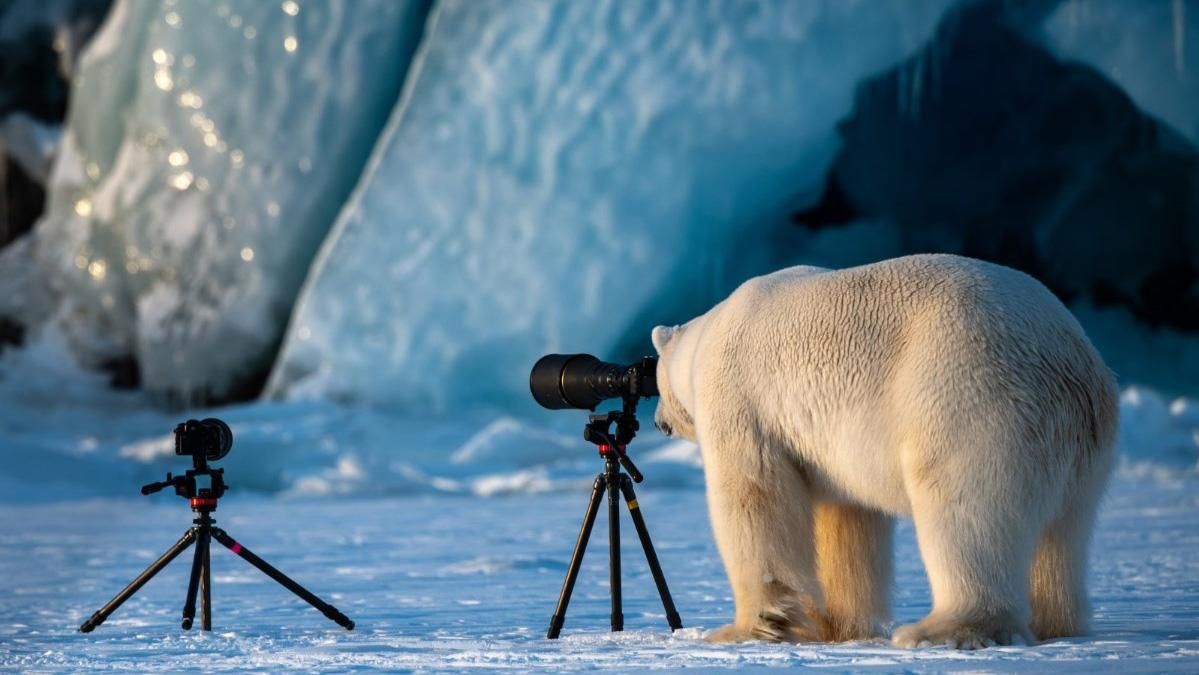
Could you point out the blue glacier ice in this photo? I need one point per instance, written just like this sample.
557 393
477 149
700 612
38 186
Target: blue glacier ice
208 149
559 176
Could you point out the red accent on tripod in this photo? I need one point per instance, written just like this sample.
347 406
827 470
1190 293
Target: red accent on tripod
604 449
198 502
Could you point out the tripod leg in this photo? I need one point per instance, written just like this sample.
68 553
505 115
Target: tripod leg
655 568
206 583
263 566
193 582
576 559
141 579
614 552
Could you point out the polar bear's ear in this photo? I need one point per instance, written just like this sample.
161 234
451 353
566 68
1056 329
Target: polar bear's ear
662 336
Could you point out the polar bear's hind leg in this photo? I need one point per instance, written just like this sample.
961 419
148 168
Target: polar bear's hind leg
977 575
853 559
976 535
1058 583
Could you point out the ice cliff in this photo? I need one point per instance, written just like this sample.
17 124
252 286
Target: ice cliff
564 175
555 168
208 149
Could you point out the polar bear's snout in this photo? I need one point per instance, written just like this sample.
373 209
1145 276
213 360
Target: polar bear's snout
671 418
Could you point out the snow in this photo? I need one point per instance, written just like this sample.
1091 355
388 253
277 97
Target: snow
446 540
202 163
450 583
547 158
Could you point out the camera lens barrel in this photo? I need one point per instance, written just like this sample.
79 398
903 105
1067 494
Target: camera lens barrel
222 438
209 437
560 381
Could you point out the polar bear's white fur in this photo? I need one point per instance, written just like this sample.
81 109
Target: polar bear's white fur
956 392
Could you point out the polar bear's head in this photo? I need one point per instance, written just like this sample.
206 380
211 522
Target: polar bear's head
672 417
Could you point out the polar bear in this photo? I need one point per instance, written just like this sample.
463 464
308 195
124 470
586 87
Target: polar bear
953 391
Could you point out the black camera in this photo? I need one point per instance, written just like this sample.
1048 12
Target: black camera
208 438
582 381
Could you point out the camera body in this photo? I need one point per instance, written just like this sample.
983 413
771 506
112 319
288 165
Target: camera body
209 439
204 441
561 381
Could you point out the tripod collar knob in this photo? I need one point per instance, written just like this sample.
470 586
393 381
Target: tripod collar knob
606 449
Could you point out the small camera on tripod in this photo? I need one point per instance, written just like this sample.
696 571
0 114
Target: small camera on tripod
581 381
205 441
208 438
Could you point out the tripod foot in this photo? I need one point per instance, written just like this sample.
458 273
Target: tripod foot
90 625
556 623
339 618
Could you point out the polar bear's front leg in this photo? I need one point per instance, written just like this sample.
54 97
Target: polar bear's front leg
761 517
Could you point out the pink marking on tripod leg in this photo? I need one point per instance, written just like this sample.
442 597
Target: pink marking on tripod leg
236 547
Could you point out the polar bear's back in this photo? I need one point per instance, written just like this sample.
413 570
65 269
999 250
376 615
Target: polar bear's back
945 285
880 309
860 361
898 308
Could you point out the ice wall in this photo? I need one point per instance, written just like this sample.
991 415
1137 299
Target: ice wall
988 144
208 149
1149 47
557 169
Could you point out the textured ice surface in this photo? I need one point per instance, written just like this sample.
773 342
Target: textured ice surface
447 584
561 173
64 433
1149 47
209 147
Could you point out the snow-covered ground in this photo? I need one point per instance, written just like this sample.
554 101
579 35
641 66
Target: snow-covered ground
446 541
448 583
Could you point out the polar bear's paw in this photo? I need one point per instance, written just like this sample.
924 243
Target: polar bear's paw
730 633
762 632
797 623
962 633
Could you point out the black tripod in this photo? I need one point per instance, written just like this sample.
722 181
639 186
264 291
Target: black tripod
612 480
203 501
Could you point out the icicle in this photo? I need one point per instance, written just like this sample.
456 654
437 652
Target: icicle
1179 36
917 85
934 69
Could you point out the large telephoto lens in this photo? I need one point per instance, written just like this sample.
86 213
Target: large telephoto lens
561 381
